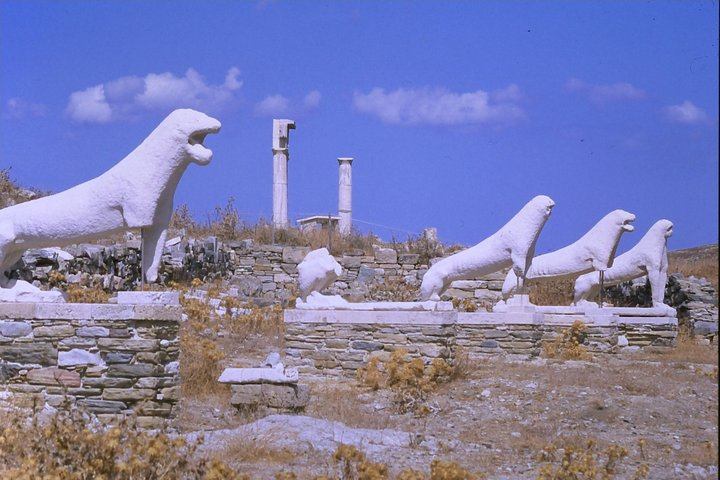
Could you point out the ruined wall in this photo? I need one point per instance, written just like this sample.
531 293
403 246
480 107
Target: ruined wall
337 342
111 359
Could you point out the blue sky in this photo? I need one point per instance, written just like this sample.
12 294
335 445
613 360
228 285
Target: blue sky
457 113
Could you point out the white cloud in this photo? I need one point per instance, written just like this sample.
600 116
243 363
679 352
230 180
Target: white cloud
276 105
312 99
17 108
686 112
438 106
125 96
603 93
89 106
272 105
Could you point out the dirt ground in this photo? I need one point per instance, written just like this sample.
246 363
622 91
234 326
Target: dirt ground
495 420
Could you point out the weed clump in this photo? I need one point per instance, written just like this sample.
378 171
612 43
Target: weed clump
78 294
69 445
409 379
354 465
583 462
392 291
569 344
200 356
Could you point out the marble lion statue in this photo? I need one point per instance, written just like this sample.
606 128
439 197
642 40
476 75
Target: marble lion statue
593 251
648 257
512 245
135 193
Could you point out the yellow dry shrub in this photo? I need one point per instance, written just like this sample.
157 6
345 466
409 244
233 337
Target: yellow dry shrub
392 291
580 462
200 356
69 446
55 278
442 470
409 379
252 319
78 294
370 375
569 344
355 466
464 305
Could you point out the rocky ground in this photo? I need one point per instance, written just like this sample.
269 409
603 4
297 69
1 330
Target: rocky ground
495 420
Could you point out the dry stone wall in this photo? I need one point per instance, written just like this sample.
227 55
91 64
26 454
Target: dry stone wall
337 342
109 359
266 272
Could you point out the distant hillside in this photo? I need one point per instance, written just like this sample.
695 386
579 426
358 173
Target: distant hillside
697 261
11 193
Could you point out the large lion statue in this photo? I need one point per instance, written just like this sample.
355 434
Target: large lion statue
593 251
135 193
648 257
512 245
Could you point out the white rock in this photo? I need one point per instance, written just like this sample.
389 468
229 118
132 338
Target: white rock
277 374
172 368
78 356
622 341
272 359
22 291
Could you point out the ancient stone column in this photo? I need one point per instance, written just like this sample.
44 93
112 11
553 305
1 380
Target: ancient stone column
281 133
345 195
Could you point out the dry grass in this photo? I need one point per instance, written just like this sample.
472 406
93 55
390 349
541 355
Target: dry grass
258 448
409 379
551 292
226 224
689 349
78 294
200 355
245 319
68 445
392 291
344 402
12 193
700 262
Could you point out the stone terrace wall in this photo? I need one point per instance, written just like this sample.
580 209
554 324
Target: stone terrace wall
110 359
336 342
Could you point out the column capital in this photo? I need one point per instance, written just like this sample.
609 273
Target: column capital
342 160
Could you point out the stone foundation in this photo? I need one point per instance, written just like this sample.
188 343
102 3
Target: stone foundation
108 358
338 342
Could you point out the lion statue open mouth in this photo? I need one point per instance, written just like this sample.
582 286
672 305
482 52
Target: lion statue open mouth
647 257
135 193
593 251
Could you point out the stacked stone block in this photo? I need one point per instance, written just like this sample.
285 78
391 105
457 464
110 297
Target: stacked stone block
108 358
337 343
338 346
